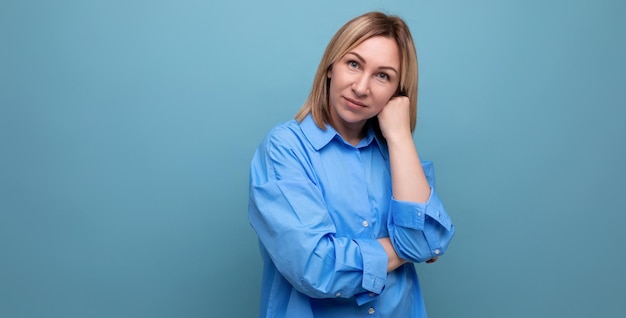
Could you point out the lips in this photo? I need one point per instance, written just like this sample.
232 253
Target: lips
353 103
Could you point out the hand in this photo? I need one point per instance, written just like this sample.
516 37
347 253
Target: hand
394 118
393 261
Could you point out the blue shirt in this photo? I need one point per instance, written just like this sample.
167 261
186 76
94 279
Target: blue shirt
318 205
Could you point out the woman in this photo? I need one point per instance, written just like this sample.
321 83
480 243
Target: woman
341 203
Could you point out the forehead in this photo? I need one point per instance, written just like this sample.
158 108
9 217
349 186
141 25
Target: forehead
378 50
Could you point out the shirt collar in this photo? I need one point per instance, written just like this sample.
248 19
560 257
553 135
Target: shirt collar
317 136
320 138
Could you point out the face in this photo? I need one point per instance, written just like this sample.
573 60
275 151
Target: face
361 84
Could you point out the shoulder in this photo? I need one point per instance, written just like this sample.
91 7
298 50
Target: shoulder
284 153
285 129
286 134
285 140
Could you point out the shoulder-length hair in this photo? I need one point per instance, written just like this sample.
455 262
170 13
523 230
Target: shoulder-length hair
348 37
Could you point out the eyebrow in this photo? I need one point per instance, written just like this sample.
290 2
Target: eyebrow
362 60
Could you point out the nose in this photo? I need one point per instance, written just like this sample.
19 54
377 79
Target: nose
360 87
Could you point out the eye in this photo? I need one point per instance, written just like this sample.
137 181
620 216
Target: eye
383 76
353 64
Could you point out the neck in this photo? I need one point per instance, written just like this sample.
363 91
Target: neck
352 134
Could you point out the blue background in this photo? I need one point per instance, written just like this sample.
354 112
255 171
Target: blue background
127 127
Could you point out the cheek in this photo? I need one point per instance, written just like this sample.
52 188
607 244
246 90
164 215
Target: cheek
336 84
385 95
332 92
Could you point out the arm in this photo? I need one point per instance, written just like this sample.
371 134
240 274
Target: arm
288 212
408 181
419 227
394 261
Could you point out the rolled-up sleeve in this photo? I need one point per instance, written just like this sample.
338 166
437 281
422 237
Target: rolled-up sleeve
288 212
420 231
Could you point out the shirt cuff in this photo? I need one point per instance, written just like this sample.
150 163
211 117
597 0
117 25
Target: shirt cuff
374 265
412 215
364 298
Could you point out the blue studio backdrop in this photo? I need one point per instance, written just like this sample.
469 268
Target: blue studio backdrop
127 127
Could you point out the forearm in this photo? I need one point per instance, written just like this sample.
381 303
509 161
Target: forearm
407 176
393 261
408 181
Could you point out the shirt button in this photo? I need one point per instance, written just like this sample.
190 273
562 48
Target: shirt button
372 294
371 311
419 213
437 251
365 223
338 295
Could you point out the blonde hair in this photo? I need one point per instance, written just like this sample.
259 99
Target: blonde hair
348 37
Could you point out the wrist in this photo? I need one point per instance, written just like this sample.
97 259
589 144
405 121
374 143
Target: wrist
393 260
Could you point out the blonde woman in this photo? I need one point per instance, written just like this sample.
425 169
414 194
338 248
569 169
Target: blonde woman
339 198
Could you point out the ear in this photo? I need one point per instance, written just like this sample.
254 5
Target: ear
329 71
